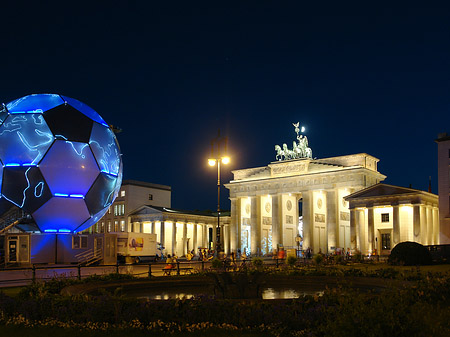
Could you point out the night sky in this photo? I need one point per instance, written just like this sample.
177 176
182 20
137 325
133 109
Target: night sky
360 78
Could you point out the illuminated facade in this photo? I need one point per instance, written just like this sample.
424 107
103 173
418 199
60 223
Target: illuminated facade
182 231
61 162
142 207
382 216
443 142
266 203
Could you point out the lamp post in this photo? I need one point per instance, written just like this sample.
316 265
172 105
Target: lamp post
218 156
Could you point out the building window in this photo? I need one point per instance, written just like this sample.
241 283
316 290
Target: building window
119 209
109 210
386 241
109 226
122 226
122 193
150 197
116 226
79 242
384 217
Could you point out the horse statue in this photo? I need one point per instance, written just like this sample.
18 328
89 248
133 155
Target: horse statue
280 153
299 150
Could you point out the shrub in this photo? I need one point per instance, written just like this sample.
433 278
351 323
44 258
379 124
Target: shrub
318 258
291 261
357 257
338 259
257 262
409 254
217 264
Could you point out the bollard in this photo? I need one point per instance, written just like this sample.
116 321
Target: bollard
79 272
203 265
149 270
34 273
117 267
277 262
178 267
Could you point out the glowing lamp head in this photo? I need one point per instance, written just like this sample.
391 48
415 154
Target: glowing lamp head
226 160
303 129
211 162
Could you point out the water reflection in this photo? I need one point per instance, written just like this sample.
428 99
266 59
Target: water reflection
267 294
273 294
176 296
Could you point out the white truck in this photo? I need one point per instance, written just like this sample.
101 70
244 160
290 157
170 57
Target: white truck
136 247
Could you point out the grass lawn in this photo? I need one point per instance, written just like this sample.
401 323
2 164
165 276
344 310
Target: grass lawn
56 332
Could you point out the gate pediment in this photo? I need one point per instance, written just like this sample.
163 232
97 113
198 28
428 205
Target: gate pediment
289 168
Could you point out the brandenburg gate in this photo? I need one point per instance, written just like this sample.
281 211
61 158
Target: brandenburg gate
266 201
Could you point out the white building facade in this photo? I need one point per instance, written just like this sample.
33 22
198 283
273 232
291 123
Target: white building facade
266 203
443 142
180 232
384 215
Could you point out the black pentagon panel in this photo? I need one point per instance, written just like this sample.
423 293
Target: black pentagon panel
25 187
5 206
68 123
101 193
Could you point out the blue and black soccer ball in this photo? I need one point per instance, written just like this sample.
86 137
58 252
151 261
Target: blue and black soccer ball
60 162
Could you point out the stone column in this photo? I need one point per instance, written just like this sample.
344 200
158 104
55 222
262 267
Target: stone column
152 227
307 220
174 237
332 222
214 235
205 236
371 229
435 226
430 226
423 225
233 225
255 226
416 223
276 220
395 225
194 239
162 236
185 249
226 239
354 230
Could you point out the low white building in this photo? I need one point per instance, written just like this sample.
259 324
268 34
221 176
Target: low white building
382 216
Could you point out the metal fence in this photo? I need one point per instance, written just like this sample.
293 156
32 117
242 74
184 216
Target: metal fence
17 276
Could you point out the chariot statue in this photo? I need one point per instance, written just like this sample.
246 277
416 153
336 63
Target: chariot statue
300 147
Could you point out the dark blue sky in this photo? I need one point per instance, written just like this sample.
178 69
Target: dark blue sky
361 78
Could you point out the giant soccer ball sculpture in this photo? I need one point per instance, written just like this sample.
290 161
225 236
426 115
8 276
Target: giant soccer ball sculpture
61 162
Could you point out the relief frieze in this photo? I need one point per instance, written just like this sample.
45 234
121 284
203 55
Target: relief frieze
319 217
345 216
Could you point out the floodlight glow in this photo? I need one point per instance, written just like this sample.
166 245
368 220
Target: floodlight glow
226 160
211 162
303 129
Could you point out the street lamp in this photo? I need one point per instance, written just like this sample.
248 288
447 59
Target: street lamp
218 156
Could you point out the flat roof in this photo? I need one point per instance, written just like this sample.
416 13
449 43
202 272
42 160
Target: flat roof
146 184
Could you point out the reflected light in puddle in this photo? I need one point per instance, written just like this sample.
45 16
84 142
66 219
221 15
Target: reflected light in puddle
271 294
